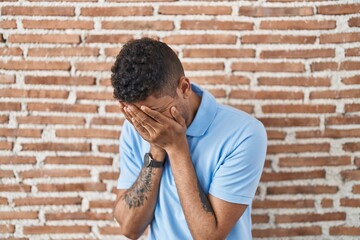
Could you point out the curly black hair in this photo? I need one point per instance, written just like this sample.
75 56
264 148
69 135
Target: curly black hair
145 67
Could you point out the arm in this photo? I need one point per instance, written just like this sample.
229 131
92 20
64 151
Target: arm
134 207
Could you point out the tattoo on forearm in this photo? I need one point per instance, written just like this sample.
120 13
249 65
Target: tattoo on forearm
204 200
138 193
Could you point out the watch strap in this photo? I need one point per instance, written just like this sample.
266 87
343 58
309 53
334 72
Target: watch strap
151 162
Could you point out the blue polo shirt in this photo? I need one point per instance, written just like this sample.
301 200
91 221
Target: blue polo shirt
227 148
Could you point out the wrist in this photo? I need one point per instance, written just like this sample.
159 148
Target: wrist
157 153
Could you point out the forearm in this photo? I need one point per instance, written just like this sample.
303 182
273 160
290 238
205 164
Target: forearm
197 209
134 208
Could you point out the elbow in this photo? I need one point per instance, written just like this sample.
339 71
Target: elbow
130 234
128 229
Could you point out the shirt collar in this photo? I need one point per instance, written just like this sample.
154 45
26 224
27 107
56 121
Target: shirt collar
205 113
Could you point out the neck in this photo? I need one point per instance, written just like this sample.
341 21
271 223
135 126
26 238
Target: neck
194 106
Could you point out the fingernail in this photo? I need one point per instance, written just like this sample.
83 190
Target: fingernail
142 108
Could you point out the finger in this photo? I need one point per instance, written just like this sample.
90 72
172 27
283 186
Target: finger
177 116
128 115
142 119
158 117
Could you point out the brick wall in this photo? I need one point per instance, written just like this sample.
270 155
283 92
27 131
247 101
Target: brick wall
294 65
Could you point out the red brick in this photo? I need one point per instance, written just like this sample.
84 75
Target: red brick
7 79
72 187
4 119
340 38
145 25
20 132
344 231
298 25
78 216
2 38
297 108
301 54
216 25
110 230
101 204
194 10
6 174
112 52
298 148
263 218
347 120
15 188
298 189
349 175
314 161
109 175
310 217
329 133
109 148
63 52
352 107
46 38
268 204
351 146
93 66
51 120
221 79
287 232
338 9
334 94
6 51
54 173
57 80
197 66
352 52
87 133
246 94
218 93
324 66
59 107
107 121
8 228
75 229
275 11
38 201
268 67
357 161
17 160
86 160
103 38
10 106
6 145
19 93
356 189
272 134
18 215
200 39
348 202
290 122
95 95
38 11
3 201
218 53
286 176
277 39
246 108
116 11
8 24
354 22
327 203
350 65
51 146
34 65
351 80
113 108
57 24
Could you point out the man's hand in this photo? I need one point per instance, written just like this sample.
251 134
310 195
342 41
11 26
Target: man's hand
156 128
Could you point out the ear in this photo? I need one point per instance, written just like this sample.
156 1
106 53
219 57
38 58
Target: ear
184 87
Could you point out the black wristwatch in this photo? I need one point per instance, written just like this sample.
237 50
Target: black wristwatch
150 162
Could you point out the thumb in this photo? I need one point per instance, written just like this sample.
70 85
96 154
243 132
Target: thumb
177 116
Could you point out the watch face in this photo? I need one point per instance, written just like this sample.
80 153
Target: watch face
147 160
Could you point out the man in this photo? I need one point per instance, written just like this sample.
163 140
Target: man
189 166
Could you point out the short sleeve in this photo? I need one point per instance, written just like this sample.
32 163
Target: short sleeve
237 178
130 161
